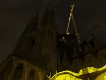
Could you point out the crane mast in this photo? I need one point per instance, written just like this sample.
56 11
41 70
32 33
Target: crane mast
75 28
69 19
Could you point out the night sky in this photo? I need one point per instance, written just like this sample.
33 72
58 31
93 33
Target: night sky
90 16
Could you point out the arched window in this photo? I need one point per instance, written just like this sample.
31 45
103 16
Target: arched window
4 74
31 75
18 72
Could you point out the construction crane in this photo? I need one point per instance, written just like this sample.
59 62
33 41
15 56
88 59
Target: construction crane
72 7
71 17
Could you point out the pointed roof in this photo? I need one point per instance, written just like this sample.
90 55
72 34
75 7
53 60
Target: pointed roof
48 19
30 28
35 55
32 25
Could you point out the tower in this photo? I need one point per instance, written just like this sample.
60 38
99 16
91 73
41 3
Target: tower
46 37
35 52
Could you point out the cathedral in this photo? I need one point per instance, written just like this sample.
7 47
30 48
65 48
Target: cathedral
42 52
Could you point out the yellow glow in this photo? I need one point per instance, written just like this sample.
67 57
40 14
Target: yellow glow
87 70
101 76
100 69
63 72
69 75
69 18
64 75
105 77
92 69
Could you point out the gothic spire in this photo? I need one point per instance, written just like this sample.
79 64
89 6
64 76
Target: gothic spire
32 25
26 35
48 17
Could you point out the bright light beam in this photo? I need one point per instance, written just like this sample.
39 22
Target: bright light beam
69 19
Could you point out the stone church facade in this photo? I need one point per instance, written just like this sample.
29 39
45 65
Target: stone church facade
41 50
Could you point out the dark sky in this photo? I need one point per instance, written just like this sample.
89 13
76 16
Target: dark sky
90 16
